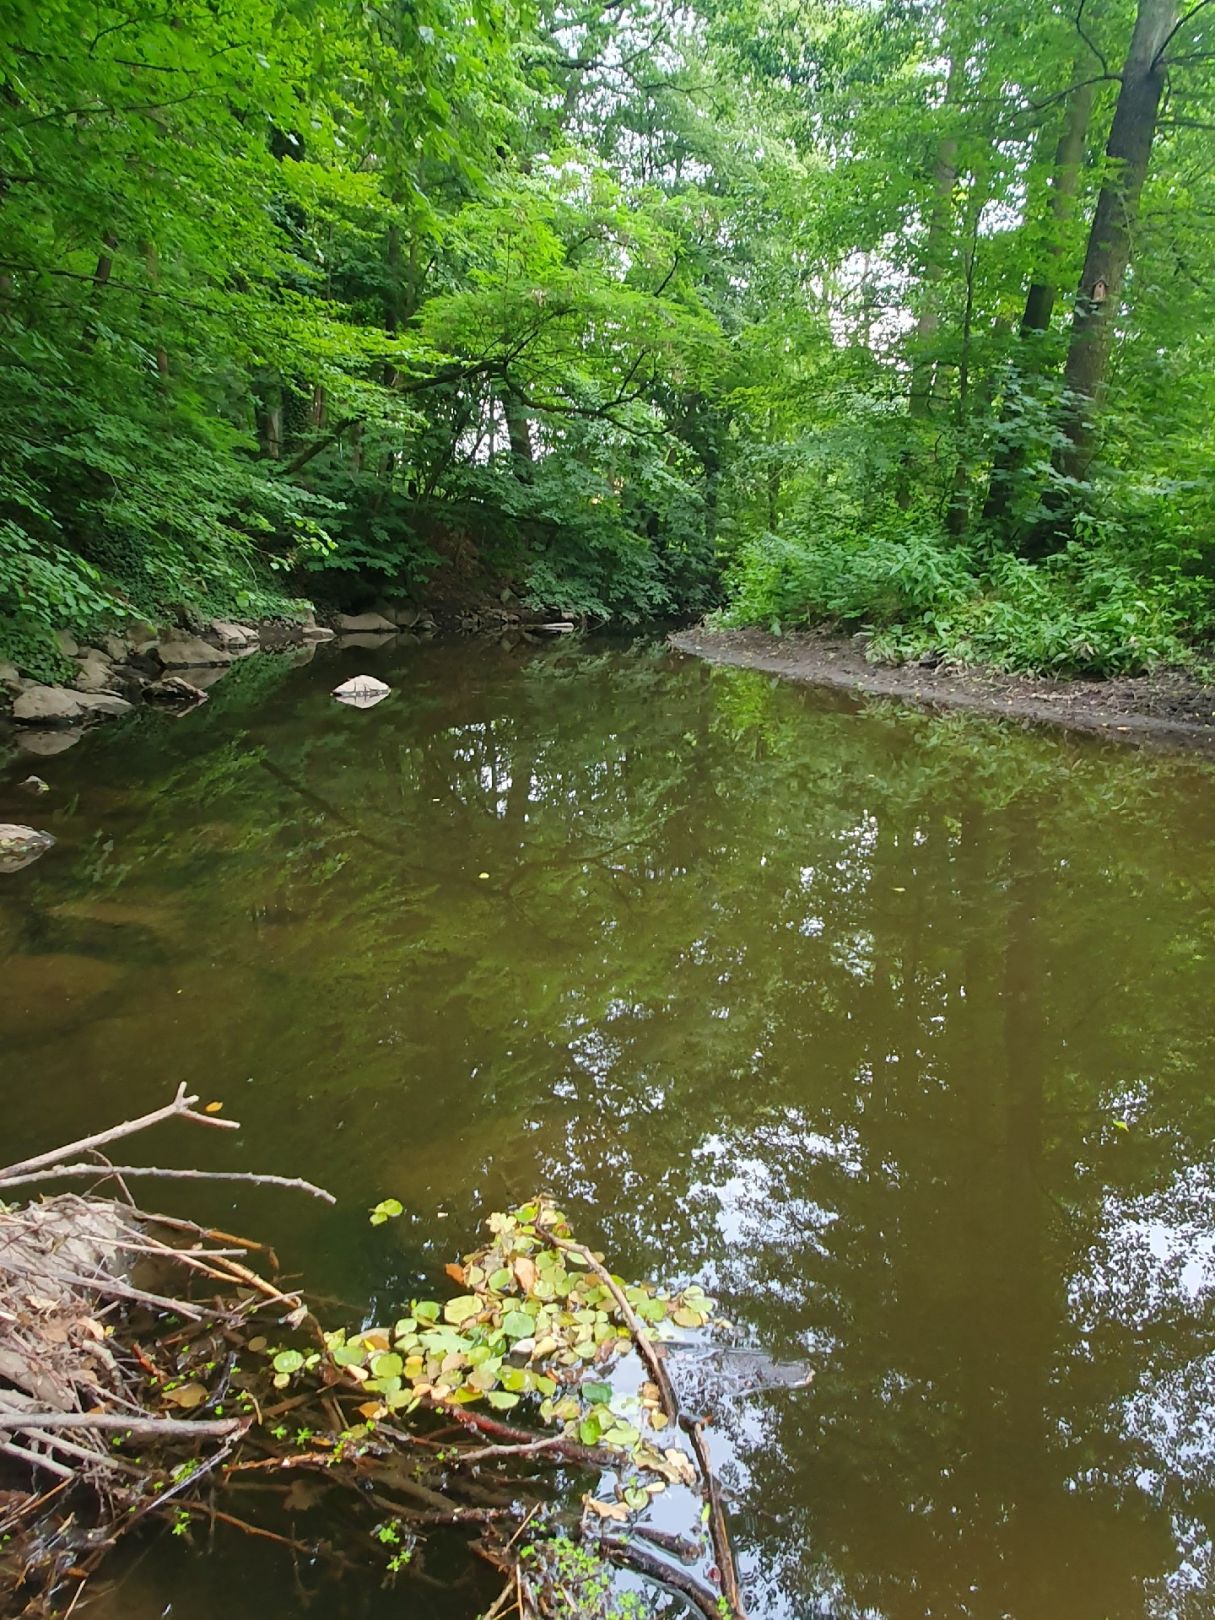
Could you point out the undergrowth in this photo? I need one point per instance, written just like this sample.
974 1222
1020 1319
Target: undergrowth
1083 611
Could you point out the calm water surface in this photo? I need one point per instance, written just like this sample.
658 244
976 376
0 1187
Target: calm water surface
894 1031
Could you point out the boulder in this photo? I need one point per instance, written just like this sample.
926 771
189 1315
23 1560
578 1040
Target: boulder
49 706
95 672
235 637
34 785
361 691
19 845
366 624
180 651
558 627
116 648
45 743
103 703
66 642
174 693
369 641
402 614
317 632
10 676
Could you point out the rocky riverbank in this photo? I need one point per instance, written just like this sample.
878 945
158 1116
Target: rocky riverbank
1171 707
107 675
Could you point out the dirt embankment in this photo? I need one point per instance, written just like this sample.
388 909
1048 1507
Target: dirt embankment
1171 707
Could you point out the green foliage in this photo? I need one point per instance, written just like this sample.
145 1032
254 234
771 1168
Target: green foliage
318 297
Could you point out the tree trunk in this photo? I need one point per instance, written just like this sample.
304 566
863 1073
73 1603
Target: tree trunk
519 432
1065 181
936 258
1040 299
1110 240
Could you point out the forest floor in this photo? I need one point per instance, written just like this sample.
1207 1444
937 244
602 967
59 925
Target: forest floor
1171 707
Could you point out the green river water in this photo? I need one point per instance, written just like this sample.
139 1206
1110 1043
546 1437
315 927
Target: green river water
893 1031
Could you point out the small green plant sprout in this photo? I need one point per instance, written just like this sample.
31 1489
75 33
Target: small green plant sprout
181 1522
386 1210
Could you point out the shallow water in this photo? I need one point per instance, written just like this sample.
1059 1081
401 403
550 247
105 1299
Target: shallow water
892 1030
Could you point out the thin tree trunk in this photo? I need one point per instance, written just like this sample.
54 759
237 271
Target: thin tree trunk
936 258
1065 181
102 274
1040 299
152 261
1112 236
519 432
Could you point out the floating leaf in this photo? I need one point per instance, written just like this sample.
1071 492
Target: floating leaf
288 1361
213 1108
455 1271
607 1510
597 1393
188 1396
502 1399
518 1325
387 1365
386 1210
462 1307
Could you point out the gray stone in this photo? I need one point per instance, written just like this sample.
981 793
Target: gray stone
361 692
45 743
366 623
49 706
402 614
235 637
104 703
174 693
96 673
317 632
10 675
19 845
369 641
116 648
188 652
34 785
67 643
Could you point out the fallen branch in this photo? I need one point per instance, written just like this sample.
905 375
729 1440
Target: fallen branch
656 1363
629 1556
14 1419
100 1172
182 1107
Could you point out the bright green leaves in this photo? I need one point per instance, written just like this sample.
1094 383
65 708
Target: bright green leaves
386 1210
460 1309
535 1321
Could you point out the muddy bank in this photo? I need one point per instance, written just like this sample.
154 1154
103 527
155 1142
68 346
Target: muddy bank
1171 708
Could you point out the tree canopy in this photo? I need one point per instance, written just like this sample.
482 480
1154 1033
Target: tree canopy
885 312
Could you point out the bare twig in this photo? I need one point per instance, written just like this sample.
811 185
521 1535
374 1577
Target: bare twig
182 1107
151 1428
629 1556
656 1363
99 1172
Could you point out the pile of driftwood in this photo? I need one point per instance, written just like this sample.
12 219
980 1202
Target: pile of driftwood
141 1383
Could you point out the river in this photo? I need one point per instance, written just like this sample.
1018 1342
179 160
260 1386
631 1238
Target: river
894 1031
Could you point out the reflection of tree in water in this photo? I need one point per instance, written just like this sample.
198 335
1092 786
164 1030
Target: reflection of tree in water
836 1010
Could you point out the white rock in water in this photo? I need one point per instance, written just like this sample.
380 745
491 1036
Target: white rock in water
19 845
361 691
